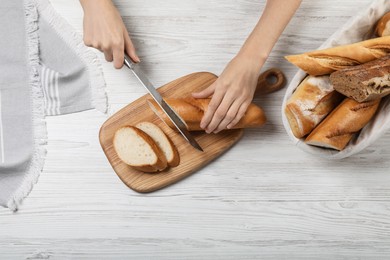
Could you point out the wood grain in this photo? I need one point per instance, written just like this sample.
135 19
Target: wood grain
264 199
190 159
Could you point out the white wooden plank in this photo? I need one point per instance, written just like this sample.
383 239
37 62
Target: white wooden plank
264 198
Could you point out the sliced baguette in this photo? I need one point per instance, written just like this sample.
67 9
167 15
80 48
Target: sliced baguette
163 142
137 149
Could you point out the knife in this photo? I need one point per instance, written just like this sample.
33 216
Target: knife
176 120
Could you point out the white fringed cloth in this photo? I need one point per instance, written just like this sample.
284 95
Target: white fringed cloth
45 70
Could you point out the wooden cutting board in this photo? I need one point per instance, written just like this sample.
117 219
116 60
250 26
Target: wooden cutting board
190 158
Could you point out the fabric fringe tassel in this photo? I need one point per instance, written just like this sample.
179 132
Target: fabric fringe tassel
38 121
97 85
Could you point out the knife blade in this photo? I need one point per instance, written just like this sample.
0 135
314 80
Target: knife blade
176 120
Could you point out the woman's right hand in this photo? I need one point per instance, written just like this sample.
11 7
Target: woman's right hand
104 30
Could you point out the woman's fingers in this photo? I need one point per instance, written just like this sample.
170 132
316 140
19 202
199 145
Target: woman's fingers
220 113
108 55
231 94
129 48
119 57
207 92
211 109
230 116
241 112
115 51
118 51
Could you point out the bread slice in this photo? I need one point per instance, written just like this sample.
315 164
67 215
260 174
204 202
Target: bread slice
137 149
163 142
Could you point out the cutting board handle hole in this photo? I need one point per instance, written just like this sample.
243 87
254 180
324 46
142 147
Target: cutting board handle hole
272 79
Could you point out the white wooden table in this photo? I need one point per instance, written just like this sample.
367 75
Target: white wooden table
263 199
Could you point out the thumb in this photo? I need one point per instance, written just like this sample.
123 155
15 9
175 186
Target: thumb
207 92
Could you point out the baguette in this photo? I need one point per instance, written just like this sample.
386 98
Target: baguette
365 82
383 26
310 103
191 111
321 62
138 150
339 126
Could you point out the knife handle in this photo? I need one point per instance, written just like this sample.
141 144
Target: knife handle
128 62
270 81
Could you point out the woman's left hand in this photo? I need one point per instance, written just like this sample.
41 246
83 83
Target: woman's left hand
231 94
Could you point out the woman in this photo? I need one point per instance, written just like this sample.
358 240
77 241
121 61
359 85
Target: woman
233 91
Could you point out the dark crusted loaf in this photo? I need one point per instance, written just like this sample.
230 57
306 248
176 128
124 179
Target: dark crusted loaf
364 82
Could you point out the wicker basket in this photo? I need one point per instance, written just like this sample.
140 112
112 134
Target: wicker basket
358 28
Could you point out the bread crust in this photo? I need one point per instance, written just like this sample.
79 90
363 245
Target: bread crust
176 157
321 62
311 102
337 129
383 26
